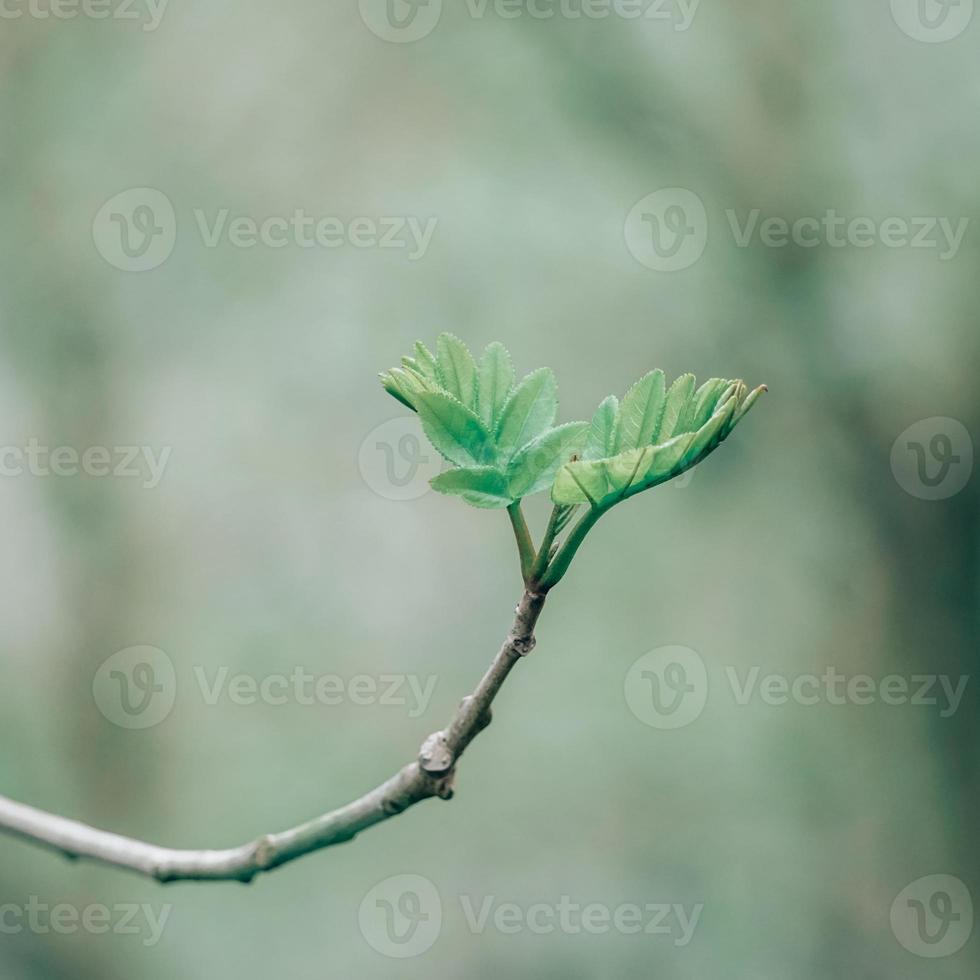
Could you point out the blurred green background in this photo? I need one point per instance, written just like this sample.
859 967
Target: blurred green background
271 542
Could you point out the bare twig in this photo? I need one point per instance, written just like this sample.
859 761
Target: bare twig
432 774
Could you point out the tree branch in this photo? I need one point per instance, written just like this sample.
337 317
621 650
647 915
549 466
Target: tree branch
432 774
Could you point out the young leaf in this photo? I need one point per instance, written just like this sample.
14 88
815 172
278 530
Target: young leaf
480 486
453 429
674 407
533 468
391 386
680 443
529 411
710 434
706 400
494 382
747 405
641 412
426 361
601 441
456 369
584 482
665 462
404 384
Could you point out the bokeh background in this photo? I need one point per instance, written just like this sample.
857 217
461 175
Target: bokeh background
271 542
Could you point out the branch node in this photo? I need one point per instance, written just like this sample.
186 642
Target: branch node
393 805
264 853
523 645
435 756
447 786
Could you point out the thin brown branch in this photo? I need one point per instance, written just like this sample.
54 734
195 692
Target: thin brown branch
432 774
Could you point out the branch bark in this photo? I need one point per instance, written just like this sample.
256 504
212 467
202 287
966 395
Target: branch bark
432 774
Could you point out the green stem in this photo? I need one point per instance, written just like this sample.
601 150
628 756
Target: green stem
544 552
566 553
525 546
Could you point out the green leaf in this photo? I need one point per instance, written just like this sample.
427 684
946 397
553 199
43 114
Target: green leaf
494 382
747 405
641 412
585 482
707 399
456 369
533 468
665 462
680 444
528 412
674 407
480 486
453 429
601 441
707 438
404 384
426 361
391 386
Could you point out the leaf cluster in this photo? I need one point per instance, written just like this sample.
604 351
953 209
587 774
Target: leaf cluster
498 434
501 440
